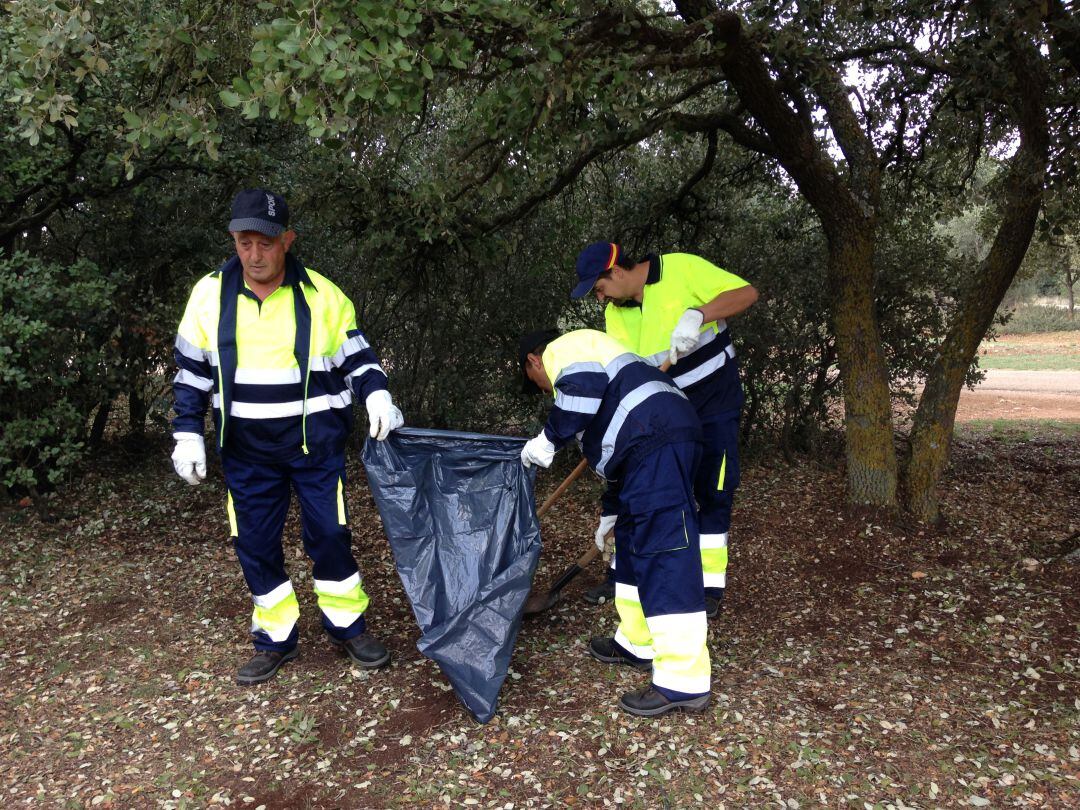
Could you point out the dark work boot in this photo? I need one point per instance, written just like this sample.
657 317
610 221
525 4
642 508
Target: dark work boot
264 665
712 606
365 651
604 648
648 702
599 594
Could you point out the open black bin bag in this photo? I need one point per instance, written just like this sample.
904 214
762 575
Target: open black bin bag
459 512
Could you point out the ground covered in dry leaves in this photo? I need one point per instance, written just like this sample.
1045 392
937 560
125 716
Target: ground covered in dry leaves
854 664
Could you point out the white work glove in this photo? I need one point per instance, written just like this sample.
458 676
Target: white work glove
607 526
538 451
189 457
383 415
684 336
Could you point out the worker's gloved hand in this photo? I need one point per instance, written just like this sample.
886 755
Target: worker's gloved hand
607 525
383 415
189 457
684 336
538 451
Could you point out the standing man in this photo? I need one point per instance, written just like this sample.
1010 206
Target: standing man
276 348
674 307
638 431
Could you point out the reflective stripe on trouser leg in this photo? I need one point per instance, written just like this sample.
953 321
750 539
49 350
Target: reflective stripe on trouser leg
672 595
662 548
319 484
715 483
632 634
342 603
714 560
275 614
257 504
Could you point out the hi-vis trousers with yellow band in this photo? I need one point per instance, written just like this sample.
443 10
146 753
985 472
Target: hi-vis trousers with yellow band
258 502
659 592
715 483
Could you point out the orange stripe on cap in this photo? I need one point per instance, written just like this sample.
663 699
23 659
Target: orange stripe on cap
614 254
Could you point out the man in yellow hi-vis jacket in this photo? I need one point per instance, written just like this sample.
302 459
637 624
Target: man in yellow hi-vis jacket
275 349
674 307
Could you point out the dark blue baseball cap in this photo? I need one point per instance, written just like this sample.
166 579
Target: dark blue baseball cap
597 258
528 345
256 209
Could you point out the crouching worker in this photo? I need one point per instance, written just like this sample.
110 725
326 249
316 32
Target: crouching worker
640 433
275 348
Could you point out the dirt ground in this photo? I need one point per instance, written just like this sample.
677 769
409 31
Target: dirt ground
856 663
1008 394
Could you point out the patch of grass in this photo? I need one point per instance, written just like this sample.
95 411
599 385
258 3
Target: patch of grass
1018 430
1032 362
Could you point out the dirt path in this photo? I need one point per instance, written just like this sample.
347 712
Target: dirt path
1007 394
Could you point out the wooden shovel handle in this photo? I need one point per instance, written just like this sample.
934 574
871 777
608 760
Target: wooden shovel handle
565 485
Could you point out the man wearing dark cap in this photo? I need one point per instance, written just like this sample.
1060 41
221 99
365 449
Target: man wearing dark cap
275 349
640 433
674 307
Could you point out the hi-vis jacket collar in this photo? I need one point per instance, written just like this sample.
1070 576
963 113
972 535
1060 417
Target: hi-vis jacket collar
232 286
656 270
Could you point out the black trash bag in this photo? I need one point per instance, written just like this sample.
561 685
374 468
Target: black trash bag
459 512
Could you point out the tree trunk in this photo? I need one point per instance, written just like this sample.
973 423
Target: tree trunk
1070 279
137 410
931 433
871 455
97 429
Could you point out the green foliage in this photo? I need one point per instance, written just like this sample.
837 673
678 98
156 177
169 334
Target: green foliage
56 342
1029 319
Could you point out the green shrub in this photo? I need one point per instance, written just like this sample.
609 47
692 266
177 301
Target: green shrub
1029 319
55 344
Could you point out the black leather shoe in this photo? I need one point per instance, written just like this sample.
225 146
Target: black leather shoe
599 594
365 651
604 648
648 702
264 665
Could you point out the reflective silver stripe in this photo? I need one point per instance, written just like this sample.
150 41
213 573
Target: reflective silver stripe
705 369
213 357
268 600
641 651
576 404
580 368
337 588
690 684
364 369
351 346
627 592
658 358
194 380
275 410
190 350
629 402
714 540
715 580
321 362
340 617
619 363
267 376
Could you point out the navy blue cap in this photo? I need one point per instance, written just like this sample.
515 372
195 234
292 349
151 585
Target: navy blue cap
256 209
528 345
597 258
